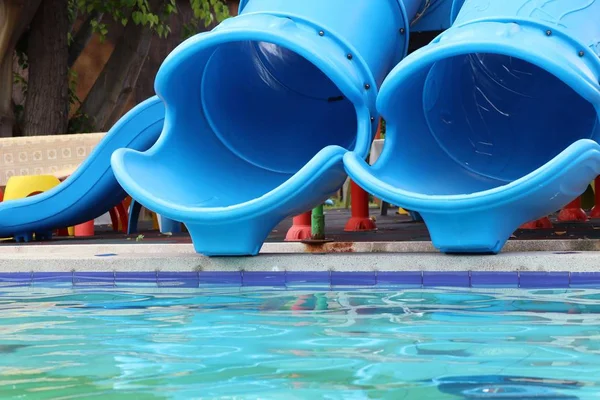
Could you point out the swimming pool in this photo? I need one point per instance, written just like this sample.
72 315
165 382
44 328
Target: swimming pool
322 342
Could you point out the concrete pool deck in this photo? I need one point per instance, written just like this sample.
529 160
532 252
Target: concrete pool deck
571 256
397 245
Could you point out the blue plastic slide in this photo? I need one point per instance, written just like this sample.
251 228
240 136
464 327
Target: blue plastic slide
493 124
92 189
259 113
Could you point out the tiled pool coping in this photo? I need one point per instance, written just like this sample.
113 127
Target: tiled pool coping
373 279
177 265
182 258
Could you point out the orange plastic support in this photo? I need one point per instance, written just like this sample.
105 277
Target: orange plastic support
85 230
595 214
360 220
123 217
573 212
542 223
301 228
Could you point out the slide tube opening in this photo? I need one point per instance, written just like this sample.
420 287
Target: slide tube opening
481 120
272 107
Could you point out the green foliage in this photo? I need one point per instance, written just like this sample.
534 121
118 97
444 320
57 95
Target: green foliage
19 80
140 12
206 13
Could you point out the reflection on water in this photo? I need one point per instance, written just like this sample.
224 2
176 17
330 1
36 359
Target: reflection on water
232 343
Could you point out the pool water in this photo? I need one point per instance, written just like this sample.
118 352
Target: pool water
321 343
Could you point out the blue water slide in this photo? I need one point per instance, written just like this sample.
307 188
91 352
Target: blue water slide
259 113
92 189
493 124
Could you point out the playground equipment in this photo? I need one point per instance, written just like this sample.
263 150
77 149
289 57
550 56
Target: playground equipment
259 113
20 187
501 111
92 189
492 125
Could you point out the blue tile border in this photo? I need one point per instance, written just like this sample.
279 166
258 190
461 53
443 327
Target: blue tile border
13 279
297 278
319 279
63 279
353 278
94 279
125 279
263 279
489 279
585 279
407 279
447 279
544 280
220 278
177 279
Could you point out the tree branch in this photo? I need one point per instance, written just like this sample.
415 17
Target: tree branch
15 17
10 11
83 36
105 101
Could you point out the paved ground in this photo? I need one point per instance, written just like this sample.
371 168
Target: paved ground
397 245
391 228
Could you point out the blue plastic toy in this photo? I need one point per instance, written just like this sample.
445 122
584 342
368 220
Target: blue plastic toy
494 123
259 113
92 189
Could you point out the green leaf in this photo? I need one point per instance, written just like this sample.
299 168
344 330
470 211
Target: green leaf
136 17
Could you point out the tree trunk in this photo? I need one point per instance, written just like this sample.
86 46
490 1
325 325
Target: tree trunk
105 102
47 103
7 119
160 49
15 16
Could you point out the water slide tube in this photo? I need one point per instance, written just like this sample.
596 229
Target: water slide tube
259 113
493 124
92 189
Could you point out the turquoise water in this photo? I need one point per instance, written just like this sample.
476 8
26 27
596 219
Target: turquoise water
315 344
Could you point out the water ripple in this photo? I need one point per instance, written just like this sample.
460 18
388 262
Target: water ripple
228 343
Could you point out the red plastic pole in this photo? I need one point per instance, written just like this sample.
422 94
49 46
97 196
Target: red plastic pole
360 220
62 232
378 133
596 210
300 229
85 229
123 217
572 212
114 219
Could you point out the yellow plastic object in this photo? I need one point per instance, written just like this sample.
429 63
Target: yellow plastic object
402 211
19 187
